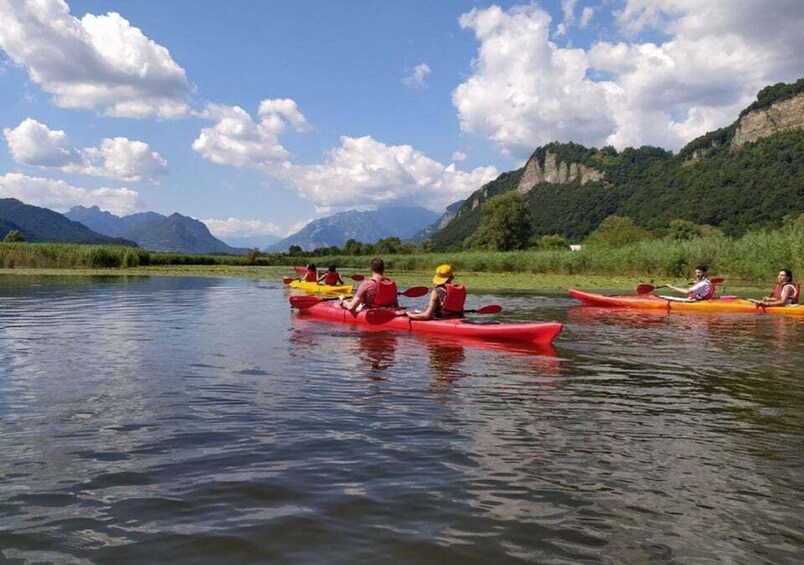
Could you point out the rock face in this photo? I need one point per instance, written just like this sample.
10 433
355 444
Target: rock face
784 115
555 172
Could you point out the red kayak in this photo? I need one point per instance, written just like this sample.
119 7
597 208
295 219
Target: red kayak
389 319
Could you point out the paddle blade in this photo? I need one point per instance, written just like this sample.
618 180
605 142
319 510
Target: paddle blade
288 280
490 309
645 288
357 277
300 270
304 302
415 291
717 280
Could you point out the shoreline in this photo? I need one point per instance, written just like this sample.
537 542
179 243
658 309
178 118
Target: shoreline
476 282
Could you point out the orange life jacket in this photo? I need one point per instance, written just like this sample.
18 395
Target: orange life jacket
777 292
331 279
310 276
386 293
454 300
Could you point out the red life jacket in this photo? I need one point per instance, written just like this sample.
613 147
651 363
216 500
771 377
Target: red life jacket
777 292
386 293
331 279
454 300
310 276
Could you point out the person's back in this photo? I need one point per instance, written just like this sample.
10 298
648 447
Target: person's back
331 277
376 291
446 299
311 275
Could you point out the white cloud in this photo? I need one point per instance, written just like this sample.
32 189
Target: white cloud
364 172
33 143
416 79
459 156
60 196
525 91
586 17
237 140
233 227
101 63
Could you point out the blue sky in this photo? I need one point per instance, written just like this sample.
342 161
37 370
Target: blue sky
257 117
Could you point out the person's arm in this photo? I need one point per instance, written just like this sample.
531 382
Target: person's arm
321 278
356 300
429 312
787 293
679 289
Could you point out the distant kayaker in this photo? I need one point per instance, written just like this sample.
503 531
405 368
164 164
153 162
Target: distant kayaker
701 289
446 299
785 293
331 277
311 275
373 292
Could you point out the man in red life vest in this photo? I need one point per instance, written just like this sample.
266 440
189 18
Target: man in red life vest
374 292
446 299
786 292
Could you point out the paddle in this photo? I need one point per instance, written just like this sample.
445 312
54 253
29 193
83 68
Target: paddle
646 288
382 315
288 280
304 302
357 277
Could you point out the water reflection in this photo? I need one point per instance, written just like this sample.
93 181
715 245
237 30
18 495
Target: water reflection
378 352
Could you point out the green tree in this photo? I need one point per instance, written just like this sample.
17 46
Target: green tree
615 231
295 250
253 254
14 236
504 224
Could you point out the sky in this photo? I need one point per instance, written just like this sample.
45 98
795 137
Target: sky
258 117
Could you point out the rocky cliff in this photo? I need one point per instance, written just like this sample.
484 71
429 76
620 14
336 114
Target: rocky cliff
781 116
555 171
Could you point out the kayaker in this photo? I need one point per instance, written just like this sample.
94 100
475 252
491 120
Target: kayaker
373 292
331 277
311 275
446 299
785 293
701 289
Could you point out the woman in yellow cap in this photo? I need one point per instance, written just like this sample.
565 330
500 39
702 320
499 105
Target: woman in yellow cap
446 299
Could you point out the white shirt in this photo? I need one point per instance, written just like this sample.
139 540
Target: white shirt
700 289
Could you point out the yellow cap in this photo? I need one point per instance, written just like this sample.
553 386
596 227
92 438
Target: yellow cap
443 273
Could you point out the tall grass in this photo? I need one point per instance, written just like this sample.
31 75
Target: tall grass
755 256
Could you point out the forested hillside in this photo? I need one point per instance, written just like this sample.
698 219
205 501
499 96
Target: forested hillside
710 181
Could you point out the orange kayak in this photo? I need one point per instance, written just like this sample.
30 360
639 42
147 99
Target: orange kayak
669 303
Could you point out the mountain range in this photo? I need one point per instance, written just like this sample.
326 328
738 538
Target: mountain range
37 225
154 231
366 227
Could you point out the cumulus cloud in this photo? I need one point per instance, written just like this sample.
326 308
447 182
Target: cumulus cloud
61 196
525 91
416 79
33 143
237 140
233 227
100 63
586 17
365 172
459 156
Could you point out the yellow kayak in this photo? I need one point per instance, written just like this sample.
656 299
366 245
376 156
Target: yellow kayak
315 288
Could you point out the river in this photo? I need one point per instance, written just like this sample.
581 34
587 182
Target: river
199 420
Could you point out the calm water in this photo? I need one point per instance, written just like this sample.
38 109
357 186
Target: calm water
187 420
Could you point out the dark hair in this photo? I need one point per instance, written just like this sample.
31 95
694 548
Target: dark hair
703 268
788 273
332 268
311 267
378 266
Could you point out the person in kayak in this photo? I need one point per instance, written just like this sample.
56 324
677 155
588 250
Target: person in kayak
311 275
331 277
701 289
373 292
446 299
786 292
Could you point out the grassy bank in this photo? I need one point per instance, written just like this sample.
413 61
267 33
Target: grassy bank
754 257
